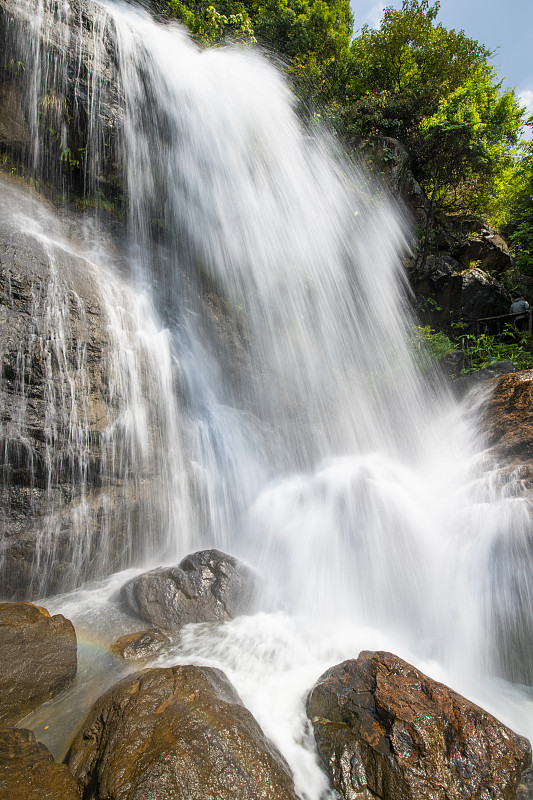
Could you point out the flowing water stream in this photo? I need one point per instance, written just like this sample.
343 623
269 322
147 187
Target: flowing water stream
285 423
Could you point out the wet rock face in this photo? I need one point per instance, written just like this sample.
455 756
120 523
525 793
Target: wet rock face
178 733
28 771
13 127
385 730
54 408
507 423
207 586
76 499
508 419
56 67
488 249
39 658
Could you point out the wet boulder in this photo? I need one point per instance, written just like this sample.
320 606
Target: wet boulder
525 789
180 733
39 658
143 644
464 383
386 730
508 419
28 771
207 586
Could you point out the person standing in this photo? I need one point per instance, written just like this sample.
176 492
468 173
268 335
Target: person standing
520 308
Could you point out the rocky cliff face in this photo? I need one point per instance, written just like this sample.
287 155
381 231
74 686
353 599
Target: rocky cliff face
76 492
457 267
59 116
53 344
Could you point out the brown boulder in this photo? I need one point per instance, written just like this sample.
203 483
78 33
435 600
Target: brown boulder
28 771
139 645
180 732
508 419
386 730
39 658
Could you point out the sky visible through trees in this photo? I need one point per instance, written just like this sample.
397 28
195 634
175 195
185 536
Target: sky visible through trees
505 28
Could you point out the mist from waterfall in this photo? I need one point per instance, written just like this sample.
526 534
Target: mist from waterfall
267 400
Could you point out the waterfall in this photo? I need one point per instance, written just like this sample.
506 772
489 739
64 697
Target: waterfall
260 391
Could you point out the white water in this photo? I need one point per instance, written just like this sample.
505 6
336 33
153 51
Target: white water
366 501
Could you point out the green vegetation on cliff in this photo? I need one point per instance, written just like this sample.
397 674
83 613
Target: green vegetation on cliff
435 90
517 221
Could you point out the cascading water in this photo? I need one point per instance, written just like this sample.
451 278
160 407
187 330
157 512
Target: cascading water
271 406
93 368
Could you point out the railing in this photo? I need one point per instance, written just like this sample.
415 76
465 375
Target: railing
498 320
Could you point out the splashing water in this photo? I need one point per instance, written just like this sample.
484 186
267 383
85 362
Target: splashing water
266 393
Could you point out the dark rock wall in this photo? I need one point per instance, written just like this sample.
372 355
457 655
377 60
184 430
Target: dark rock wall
58 98
76 500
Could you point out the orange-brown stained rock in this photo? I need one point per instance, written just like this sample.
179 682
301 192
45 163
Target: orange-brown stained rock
434 744
38 658
508 419
136 646
28 771
179 733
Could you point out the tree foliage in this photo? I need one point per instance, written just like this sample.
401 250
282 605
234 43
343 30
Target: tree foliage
435 90
518 222
211 25
311 35
432 88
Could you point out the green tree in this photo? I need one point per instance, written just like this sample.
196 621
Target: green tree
470 142
313 36
518 222
435 90
210 25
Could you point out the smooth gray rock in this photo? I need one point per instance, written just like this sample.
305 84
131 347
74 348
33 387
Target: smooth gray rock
207 586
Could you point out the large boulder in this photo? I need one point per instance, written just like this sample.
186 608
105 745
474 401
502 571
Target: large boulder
483 297
178 733
488 250
28 770
438 287
207 586
385 730
507 421
39 658
140 645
